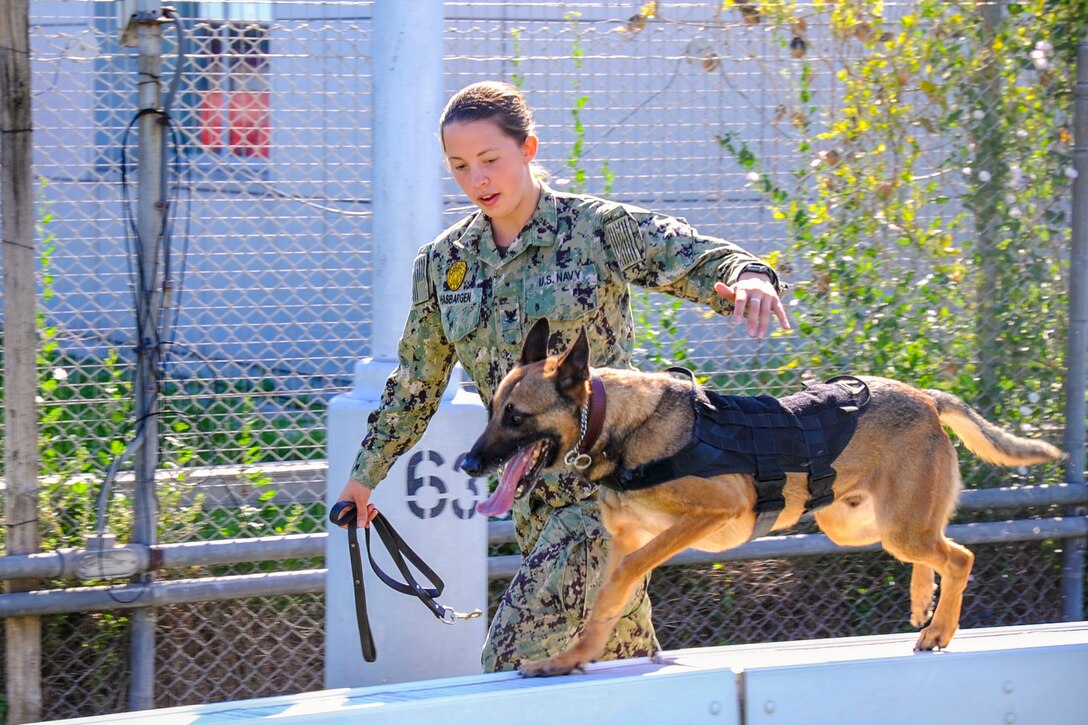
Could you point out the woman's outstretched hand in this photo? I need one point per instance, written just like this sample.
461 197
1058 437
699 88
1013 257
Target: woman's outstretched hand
753 296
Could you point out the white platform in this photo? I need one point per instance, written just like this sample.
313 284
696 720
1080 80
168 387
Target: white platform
1033 674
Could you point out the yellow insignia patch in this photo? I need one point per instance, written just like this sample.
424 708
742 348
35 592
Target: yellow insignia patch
456 276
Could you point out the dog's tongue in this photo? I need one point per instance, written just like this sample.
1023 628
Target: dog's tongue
503 498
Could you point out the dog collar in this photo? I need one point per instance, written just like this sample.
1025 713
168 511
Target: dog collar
592 423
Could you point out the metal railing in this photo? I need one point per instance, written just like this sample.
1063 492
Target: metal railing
67 564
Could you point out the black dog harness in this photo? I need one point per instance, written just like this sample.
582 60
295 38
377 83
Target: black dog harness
764 436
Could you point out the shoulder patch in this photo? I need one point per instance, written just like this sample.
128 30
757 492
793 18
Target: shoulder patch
622 235
420 283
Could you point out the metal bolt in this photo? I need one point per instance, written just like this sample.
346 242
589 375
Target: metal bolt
1010 717
769 707
715 708
1007 686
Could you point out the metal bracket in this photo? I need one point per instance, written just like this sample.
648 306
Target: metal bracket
103 559
136 18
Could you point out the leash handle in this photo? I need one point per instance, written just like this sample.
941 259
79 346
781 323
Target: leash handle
345 513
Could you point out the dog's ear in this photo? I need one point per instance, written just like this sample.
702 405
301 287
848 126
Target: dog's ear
535 347
573 367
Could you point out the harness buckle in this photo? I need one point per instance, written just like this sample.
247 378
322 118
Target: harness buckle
770 504
769 496
820 490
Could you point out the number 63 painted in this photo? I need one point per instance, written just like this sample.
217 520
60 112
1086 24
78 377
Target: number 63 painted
417 482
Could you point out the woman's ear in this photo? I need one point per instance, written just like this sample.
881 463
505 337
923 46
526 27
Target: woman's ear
529 148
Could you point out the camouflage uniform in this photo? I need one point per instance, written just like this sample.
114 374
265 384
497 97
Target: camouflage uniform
573 263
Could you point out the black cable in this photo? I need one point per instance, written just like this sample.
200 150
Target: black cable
151 339
168 198
183 182
136 250
175 82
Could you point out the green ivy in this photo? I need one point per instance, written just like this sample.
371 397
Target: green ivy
577 149
929 222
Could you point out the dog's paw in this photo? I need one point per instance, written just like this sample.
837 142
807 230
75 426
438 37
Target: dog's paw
551 667
932 638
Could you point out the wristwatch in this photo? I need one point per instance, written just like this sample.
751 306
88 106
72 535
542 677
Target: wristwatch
761 268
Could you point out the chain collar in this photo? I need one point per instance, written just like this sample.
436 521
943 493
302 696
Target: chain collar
575 456
590 428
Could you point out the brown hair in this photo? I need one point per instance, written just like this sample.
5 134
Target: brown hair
491 101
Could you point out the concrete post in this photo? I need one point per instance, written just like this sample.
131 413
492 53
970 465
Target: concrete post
430 504
408 99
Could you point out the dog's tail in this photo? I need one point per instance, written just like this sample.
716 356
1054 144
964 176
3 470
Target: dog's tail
988 441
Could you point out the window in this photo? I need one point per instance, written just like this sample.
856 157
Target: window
231 51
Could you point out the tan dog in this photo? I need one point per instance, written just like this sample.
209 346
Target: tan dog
897 479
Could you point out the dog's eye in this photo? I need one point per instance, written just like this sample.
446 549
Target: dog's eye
513 417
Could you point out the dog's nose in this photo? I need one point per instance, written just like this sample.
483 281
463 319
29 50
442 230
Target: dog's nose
471 464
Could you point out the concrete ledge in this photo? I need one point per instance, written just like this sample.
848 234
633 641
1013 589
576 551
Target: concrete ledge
1028 674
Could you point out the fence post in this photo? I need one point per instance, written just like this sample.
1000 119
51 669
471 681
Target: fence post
150 201
22 635
1077 370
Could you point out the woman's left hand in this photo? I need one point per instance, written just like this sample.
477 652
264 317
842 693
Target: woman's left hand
754 296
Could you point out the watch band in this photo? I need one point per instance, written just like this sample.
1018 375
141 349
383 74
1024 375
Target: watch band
760 268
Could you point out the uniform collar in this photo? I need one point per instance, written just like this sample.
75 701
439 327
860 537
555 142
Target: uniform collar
539 231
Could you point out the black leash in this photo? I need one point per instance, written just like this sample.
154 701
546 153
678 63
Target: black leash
345 513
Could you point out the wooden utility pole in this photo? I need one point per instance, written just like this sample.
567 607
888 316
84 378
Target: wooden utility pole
22 634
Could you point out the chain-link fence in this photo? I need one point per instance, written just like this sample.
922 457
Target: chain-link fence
912 184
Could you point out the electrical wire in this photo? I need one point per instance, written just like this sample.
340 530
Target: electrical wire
154 336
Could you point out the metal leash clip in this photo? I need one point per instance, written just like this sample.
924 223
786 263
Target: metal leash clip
449 616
